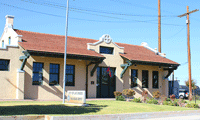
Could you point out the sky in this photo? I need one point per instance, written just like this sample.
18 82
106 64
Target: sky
126 21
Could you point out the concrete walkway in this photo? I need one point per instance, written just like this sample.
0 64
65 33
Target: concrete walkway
176 115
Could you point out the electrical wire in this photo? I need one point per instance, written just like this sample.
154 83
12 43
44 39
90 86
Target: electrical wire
87 10
78 18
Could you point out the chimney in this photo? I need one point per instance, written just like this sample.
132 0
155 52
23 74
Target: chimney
9 21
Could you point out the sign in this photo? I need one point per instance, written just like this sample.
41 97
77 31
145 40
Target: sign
76 96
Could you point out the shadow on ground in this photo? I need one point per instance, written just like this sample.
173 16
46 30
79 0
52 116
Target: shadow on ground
49 109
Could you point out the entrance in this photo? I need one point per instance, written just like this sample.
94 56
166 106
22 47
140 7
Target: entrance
106 82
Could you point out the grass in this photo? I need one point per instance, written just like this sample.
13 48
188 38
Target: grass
96 107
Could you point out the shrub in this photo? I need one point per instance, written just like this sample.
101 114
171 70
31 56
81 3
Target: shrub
117 93
175 102
120 98
172 97
168 99
138 100
165 102
128 92
192 105
156 94
170 103
152 101
144 95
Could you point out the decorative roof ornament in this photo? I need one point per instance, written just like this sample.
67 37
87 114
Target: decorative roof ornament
106 38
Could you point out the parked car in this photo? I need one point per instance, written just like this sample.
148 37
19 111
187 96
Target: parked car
183 93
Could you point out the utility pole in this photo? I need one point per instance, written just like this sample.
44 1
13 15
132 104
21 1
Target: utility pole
188 43
159 27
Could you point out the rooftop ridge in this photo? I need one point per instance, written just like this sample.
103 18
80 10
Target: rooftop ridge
75 37
54 34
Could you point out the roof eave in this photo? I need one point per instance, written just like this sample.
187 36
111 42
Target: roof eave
61 55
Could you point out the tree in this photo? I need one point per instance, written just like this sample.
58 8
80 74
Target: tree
193 84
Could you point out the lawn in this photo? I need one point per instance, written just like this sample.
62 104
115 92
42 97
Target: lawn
96 107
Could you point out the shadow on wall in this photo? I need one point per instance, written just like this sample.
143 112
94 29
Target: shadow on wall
16 87
49 109
29 88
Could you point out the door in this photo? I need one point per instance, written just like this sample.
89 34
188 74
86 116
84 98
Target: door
106 82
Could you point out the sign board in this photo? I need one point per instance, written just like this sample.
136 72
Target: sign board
76 96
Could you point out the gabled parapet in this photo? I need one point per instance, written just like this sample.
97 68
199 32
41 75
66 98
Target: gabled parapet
105 41
9 36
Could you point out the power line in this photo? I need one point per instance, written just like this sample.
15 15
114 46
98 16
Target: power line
79 18
140 6
87 10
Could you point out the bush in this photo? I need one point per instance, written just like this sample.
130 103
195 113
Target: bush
152 101
165 102
120 98
168 99
144 95
117 93
156 94
170 103
175 102
138 100
192 105
172 97
128 92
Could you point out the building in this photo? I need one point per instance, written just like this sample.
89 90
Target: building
31 66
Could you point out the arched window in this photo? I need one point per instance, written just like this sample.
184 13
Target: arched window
9 40
2 43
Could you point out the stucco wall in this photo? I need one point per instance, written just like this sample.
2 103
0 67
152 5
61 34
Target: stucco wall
8 78
52 92
162 87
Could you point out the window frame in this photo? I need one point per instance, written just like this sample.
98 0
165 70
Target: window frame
58 78
154 79
2 44
147 81
9 40
8 65
100 51
132 83
40 72
67 83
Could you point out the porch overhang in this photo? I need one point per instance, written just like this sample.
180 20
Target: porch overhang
167 66
69 56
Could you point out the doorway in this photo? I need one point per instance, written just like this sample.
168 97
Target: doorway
106 82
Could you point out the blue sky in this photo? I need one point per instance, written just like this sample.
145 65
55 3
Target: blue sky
127 21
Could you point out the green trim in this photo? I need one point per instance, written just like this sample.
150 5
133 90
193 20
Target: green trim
24 58
95 67
128 64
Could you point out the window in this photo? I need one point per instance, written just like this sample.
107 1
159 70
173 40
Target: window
70 73
9 40
145 78
155 79
2 44
134 76
37 73
106 50
54 74
4 65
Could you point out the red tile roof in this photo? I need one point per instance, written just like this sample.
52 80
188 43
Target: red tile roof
78 46
55 43
140 53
